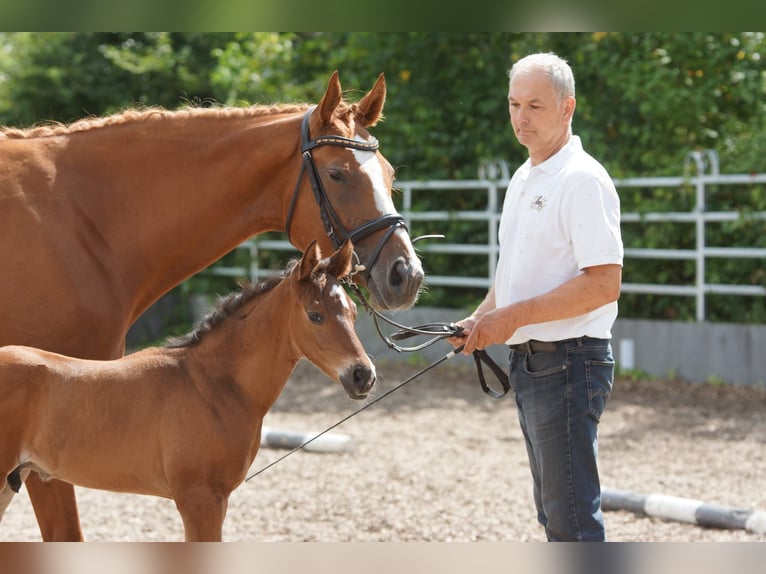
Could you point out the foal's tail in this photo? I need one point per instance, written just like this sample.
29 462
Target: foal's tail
14 479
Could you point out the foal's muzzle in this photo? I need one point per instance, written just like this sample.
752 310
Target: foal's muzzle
358 380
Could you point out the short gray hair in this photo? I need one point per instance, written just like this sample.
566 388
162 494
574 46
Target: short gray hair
557 69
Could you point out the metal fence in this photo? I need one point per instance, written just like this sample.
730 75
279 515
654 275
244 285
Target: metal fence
701 172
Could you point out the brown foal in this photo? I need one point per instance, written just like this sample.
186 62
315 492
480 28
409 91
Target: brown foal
181 421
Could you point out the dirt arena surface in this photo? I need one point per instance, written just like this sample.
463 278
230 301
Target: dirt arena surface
440 461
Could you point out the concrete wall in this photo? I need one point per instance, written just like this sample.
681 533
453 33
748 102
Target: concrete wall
694 351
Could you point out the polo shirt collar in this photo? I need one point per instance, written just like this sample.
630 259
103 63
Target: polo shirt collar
554 163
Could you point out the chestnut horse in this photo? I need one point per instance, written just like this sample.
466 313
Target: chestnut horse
100 218
181 421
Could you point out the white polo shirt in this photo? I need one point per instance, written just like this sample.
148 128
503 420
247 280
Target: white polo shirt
558 218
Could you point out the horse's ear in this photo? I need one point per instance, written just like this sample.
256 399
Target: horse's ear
369 110
311 256
340 261
330 100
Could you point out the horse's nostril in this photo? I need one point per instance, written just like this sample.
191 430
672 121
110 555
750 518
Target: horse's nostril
362 376
398 273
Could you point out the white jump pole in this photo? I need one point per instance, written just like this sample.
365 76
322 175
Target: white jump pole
287 439
684 510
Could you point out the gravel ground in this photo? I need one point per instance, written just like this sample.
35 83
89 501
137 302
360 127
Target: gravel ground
440 461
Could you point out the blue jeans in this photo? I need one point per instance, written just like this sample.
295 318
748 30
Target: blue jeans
560 396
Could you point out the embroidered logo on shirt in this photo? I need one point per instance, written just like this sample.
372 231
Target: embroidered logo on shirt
537 203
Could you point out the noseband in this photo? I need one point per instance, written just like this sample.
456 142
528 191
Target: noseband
333 226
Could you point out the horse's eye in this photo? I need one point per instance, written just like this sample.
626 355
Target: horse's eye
315 317
336 175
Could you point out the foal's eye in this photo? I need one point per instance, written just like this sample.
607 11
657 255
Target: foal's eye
315 317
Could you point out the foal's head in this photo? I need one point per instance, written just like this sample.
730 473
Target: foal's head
314 312
322 319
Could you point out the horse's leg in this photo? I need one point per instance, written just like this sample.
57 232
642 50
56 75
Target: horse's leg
10 487
202 512
6 495
55 507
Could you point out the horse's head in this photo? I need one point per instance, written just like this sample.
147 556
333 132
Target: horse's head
346 186
323 326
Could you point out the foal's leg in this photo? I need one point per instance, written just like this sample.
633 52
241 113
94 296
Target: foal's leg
202 512
55 507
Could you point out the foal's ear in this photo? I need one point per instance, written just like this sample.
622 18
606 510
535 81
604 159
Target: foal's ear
369 109
339 263
309 261
330 100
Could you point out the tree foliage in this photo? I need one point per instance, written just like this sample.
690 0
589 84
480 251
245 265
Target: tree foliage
643 101
65 76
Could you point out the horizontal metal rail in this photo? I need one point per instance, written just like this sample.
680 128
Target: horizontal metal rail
490 216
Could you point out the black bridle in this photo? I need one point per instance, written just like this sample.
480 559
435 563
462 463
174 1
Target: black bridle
333 225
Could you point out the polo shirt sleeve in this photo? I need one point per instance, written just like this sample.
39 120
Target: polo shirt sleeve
592 220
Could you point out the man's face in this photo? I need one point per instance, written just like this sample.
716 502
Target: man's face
539 118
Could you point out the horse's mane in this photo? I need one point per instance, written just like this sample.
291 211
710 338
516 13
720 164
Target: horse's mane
147 114
226 307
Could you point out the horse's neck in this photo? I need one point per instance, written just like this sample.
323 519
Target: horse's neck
256 354
170 196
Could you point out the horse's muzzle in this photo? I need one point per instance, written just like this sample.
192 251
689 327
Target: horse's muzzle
397 286
358 380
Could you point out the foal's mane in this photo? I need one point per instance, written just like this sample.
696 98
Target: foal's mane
148 114
226 307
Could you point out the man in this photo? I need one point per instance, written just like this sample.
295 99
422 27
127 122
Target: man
554 298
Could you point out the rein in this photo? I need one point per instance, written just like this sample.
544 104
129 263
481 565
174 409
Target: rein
332 223
436 332
359 410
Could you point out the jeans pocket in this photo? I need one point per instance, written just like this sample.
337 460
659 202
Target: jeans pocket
543 364
600 377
